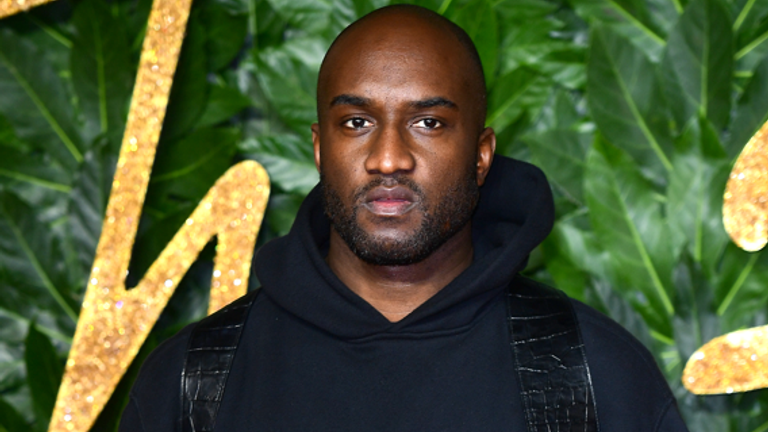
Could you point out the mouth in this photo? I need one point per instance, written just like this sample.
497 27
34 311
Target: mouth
389 202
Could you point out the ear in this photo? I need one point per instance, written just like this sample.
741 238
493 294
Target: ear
316 144
486 146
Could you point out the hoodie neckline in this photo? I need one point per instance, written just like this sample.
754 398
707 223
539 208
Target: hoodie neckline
515 213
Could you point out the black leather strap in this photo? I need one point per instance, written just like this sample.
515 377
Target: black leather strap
550 360
208 361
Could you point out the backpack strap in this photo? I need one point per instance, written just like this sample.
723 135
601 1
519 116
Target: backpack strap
551 364
211 349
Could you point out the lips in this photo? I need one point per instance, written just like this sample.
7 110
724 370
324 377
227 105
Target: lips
390 201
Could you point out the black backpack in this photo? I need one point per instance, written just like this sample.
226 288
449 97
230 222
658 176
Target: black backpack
551 364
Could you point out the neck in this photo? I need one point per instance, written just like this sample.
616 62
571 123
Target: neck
396 291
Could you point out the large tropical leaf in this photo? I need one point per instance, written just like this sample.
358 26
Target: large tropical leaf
86 207
190 86
35 101
32 279
626 216
44 372
695 194
751 110
698 64
513 95
226 23
10 419
623 96
288 77
478 19
287 160
34 168
561 154
102 71
634 20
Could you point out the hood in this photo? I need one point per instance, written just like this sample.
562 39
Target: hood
514 215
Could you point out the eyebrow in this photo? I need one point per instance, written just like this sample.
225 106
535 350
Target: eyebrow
359 101
346 99
434 102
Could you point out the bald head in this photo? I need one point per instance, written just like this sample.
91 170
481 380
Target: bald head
404 34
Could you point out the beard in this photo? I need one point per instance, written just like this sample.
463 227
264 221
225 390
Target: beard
439 221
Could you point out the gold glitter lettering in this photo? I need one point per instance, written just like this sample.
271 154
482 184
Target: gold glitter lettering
735 362
100 355
11 7
745 204
738 361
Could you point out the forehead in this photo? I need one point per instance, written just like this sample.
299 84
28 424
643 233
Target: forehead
400 55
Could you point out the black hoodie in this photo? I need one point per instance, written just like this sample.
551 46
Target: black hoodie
316 357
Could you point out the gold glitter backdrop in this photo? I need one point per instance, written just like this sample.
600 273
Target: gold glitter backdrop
10 7
114 322
738 361
745 206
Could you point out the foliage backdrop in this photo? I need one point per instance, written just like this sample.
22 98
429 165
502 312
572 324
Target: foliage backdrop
635 109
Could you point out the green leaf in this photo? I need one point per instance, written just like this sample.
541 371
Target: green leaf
8 137
223 103
227 28
564 243
185 170
152 238
751 110
561 153
626 217
33 168
621 90
514 94
560 112
622 18
289 165
29 258
282 211
698 63
88 203
10 419
478 19
288 77
190 86
532 37
102 71
695 320
740 289
35 100
268 26
310 15
44 372
325 18
47 29
289 174
695 197
751 29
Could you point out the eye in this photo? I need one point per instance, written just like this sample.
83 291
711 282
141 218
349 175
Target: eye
428 123
357 123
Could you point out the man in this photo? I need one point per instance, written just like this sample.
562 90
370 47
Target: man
394 303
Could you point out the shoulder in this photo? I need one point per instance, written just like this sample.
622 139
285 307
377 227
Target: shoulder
155 396
166 359
602 336
629 386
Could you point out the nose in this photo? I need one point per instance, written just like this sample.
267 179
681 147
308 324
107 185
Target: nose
389 152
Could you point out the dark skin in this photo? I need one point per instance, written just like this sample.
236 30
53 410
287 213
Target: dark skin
399 96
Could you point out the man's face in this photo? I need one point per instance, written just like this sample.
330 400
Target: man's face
397 143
